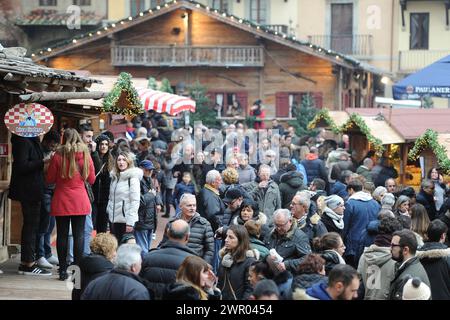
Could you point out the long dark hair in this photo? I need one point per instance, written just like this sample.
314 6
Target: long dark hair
239 253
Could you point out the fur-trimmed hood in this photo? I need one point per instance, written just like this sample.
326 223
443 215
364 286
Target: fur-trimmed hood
300 294
261 219
128 174
433 250
252 253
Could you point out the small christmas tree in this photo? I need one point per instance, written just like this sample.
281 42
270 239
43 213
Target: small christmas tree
165 86
203 111
123 98
152 84
304 114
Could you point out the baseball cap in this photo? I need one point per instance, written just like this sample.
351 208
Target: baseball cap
146 164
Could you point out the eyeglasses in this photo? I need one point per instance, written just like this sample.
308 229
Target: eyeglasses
295 204
395 245
279 226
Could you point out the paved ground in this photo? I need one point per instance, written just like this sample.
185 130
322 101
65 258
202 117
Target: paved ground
20 287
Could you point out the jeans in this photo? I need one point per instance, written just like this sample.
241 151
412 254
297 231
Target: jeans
31 216
216 260
63 224
47 223
144 240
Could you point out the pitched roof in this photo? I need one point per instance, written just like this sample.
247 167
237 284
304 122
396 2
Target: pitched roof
45 17
240 23
14 67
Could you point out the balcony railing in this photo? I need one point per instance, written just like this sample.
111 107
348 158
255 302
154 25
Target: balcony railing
413 60
173 56
282 28
352 44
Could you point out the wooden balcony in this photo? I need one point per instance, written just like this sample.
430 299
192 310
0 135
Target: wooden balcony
358 45
413 60
192 56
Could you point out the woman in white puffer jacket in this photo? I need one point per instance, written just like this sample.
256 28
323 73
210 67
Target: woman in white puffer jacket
124 195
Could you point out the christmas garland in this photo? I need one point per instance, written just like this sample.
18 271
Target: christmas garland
430 140
123 98
325 115
359 121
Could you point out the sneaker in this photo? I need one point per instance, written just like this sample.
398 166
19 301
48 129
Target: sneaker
43 263
53 260
34 270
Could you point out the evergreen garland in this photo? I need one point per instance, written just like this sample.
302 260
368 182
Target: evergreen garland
430 140
356 119
325 115
123 98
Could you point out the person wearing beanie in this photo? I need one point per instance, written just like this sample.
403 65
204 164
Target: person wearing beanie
333 214
415 289
387 201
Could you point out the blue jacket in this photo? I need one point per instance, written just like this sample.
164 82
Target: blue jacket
339 189
315 168
367 237
318 291
360 209
182 188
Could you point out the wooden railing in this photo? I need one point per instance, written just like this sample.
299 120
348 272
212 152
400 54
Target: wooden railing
219 56
352 44
413 60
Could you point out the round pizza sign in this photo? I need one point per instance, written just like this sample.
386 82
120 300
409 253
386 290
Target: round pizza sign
29 119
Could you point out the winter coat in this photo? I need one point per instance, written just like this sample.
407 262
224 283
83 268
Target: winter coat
435 258
367 237
102 182
268 200
381 173
27 178
248 174
428 202
160 265
125 196
185 291
377 270
315 168
313 227
234 279
318 291
257 244
411 268
329 224
292 246
211 207
291 182
148 219
91 267
201 238
66 190
340 189
365 172
182 188
360 209
116 285
307 280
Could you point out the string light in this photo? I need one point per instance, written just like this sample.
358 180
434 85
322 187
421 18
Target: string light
74 40
49 49
113 25
41 52
198 5
207 8
158 7
240 20
166 5
150 11
224 14
33 55
90 34
141 14
99 33
106 28
130 18
121 22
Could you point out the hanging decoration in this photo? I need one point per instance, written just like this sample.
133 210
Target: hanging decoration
323 114
429 140
29 119
123 98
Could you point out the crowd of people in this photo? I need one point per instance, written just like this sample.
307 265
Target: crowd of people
305 222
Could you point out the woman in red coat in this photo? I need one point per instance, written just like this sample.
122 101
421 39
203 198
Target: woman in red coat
257 111
69 167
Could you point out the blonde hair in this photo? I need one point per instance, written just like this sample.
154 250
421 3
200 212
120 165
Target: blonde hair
230 176
129 159
104 244
71 145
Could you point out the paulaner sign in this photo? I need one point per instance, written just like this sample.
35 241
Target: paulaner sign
416 92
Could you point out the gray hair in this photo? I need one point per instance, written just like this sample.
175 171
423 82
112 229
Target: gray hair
185 197
367 162
263 166
378 192
282 212
211 176
304 197
128 254
426 183
178 230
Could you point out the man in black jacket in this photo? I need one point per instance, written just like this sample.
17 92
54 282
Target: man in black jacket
123 282
435 258
426 198
160 265
27 186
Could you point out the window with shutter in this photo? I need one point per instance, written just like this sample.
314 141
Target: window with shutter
223 102
282 104
318 99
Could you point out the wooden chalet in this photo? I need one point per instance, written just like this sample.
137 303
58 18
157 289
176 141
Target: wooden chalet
21 80
235 59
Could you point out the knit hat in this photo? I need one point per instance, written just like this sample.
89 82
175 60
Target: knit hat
388 201
415 289
333 201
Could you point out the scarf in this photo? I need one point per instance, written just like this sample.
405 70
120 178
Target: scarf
338 220
301 222
210 187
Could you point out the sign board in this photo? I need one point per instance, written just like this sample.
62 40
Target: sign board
3 149
29 119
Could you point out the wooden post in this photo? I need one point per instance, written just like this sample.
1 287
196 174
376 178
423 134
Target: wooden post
404 148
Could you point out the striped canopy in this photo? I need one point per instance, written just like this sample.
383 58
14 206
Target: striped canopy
165 102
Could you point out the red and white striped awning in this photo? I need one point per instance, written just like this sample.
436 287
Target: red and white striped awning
165 102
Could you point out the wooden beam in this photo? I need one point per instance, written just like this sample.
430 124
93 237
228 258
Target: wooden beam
56 96
230 79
